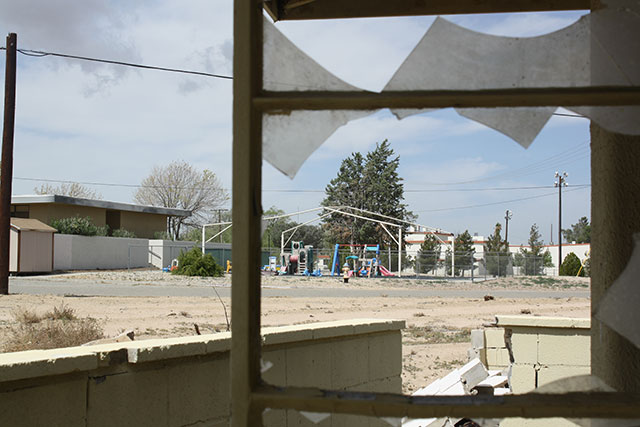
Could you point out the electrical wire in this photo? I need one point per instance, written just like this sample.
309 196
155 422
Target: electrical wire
497 203
577 152
41 53
109 184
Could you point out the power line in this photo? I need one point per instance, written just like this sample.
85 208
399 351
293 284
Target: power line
110 184
497 203
42 53
431 190
569 155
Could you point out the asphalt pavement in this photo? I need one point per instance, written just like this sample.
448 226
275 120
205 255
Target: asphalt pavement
37 286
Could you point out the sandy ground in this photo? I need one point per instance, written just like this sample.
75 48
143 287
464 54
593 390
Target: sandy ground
434 342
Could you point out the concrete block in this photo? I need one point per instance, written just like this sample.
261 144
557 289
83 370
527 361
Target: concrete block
497 358
384 385
349 362
542 322
60 404
524 343
163 349
198 391
549 374
537 422
309 366
564 347
369 326
285 334
341 330
130 398
522 379
40 363
385 355
477 353
277 374
274 418
295 419
345 420
494 337
472 374
477 338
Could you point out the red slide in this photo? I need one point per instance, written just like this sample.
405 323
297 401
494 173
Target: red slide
385 272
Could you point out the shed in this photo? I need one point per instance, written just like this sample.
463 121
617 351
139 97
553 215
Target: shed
31 246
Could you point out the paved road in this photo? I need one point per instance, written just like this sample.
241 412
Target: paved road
36 286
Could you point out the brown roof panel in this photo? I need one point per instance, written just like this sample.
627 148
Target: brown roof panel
29 224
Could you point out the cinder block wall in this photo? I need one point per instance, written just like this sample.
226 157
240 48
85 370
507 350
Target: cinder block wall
185 381
539 350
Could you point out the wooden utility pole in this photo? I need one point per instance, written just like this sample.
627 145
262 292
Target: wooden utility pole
6 168
561 181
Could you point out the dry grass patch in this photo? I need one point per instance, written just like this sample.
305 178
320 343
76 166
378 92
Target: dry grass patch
59 327
431 335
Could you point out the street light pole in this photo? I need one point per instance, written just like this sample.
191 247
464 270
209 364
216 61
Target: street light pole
561 181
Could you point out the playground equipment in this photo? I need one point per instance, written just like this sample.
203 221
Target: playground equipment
363 266
300 260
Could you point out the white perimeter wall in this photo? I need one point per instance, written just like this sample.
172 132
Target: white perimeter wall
73 252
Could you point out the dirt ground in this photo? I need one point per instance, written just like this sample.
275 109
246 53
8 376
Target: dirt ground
435 341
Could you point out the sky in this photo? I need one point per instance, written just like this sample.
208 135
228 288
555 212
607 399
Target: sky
98 123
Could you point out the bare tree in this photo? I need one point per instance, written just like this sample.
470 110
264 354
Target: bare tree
180 185
72 190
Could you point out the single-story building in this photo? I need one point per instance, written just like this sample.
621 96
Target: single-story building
144 221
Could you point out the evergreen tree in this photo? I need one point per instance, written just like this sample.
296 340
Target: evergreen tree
346 189
571 266
496 253
429 254
579 232
533 258
371 183
464 251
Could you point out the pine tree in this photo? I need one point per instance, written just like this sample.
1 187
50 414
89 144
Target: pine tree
345 190
464 251
371 183
579 232
533 258
496 253
429 254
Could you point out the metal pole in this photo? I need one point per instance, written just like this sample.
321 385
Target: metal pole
560 181
6 172
507 216
399 251
453 256
203 238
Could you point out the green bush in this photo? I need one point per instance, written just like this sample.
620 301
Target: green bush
78 225
161 235
193 263
571 266
121 232
587 267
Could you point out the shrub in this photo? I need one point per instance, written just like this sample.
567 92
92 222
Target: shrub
121 232
193 263
78 225
57 328
571 266
161 235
